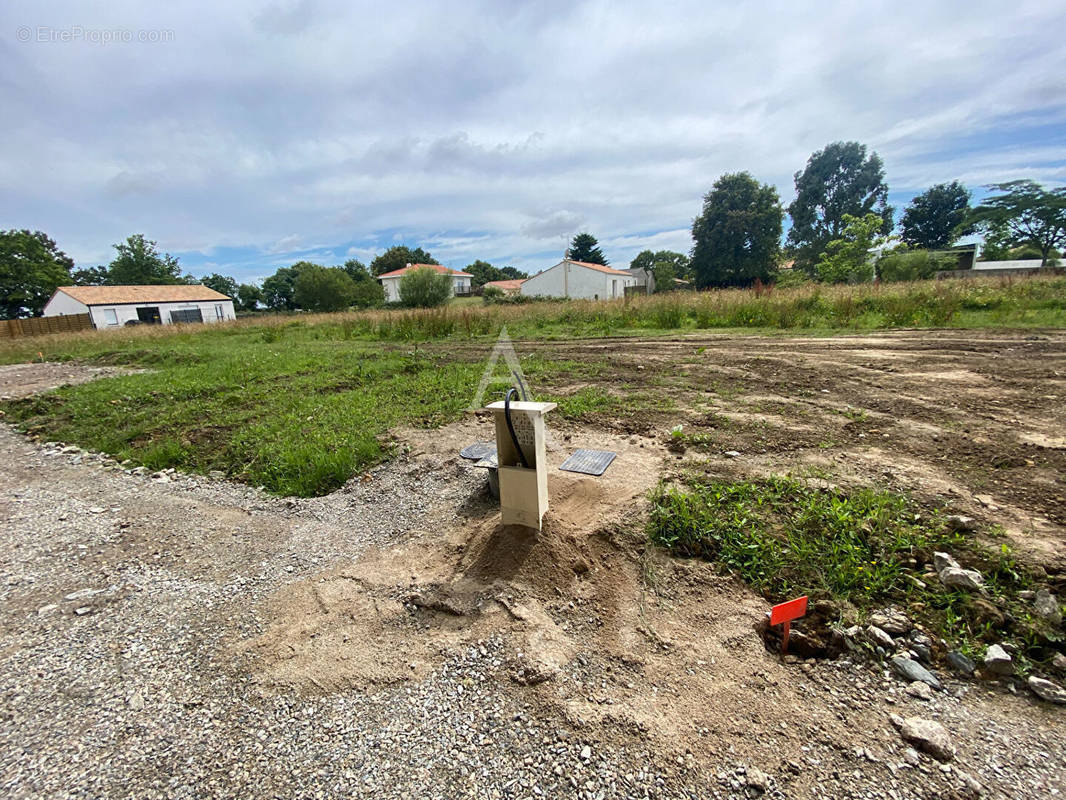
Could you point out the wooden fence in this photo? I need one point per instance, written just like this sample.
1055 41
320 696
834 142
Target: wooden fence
35 326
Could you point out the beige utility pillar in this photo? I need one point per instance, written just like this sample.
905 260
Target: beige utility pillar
523 491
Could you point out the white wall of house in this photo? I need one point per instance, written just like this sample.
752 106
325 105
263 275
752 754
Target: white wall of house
118 315
63 305
1032 263
567 279
460 285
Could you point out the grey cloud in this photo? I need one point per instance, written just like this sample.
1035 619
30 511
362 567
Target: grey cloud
553 224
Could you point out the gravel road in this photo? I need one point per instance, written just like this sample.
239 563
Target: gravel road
123 593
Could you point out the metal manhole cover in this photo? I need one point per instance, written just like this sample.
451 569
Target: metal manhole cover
589 462
478 451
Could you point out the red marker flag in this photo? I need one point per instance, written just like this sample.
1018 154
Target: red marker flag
784 613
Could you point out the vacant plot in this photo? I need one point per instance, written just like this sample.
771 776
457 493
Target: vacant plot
390 636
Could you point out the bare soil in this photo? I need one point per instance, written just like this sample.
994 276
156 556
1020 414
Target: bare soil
584 629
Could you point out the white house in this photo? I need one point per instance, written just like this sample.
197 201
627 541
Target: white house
115 306
461 281
579 279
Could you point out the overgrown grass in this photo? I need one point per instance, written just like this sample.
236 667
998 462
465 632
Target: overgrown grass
785 538
973 303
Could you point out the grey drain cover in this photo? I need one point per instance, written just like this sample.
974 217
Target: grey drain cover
478 451
589 462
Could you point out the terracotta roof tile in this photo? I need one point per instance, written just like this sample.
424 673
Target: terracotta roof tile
507 285
117 295
598 267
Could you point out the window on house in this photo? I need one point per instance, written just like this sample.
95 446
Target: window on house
110 316
186 315
220 312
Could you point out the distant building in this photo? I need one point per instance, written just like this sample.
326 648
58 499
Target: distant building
115 306
461 281
507 287
579 279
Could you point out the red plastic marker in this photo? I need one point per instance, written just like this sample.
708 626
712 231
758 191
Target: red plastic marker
785 613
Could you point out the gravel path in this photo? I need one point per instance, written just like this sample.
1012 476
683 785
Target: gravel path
122 593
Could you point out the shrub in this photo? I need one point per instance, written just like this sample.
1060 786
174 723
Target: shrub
912 265
425 288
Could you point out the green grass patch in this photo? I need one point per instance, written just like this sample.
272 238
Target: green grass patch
296 413
786 538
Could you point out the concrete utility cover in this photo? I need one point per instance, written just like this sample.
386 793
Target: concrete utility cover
589 462
479 451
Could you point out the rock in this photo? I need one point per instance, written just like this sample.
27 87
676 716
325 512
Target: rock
920 690
96 510
910 755
971 782
44 611
960 523
943 561
922 646
961 578
880 638
81 611
1058 662
757 779
997 661
891 621
1047 608
586 753
960 663
732 454
987 612
1046 690
913 671
984 499
928 736
136 701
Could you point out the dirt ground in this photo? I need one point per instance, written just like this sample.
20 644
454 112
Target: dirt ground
400 602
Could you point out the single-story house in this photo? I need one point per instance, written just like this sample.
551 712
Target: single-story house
645 280
461 281
115 306
507 287
579 279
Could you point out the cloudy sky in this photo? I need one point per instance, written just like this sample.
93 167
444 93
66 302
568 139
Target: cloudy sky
245 136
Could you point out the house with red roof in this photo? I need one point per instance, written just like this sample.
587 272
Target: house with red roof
461 281
579 279
507 287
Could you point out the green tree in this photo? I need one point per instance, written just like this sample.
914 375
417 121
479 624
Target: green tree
139 263
1024 212
839 180
90 276
31 268
221 283
737 237
323 288
368 294
357 271
279 290
512 274
483 273
679 263
996 244
425 288
399 257
847 258
937 217
584 247
249 296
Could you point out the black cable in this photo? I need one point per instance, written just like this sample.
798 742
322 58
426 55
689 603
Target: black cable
510 427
